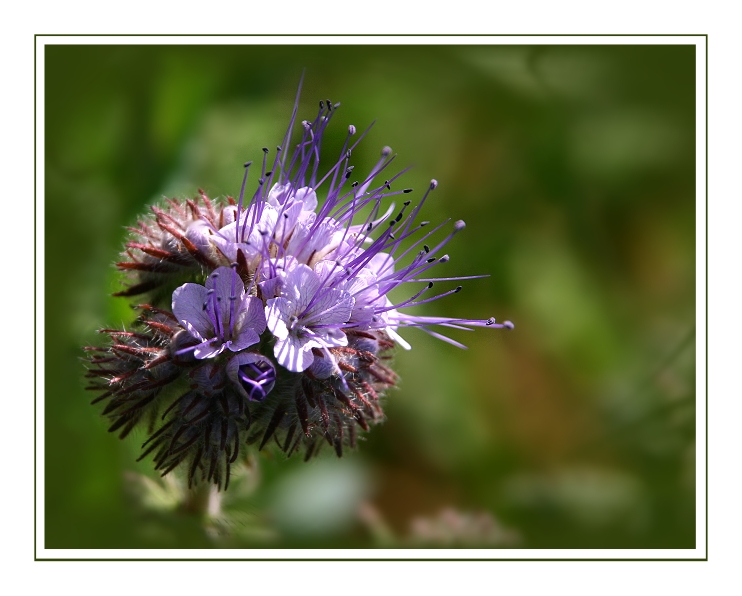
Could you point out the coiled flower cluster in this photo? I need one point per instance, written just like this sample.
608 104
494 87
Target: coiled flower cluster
269 318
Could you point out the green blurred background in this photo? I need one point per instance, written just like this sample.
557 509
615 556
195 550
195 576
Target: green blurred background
574 168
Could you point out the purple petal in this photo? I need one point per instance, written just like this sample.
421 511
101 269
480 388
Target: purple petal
188 308
333 307
301 285
228 288
249 324
308 198
251 315
311 243
286 222
322 368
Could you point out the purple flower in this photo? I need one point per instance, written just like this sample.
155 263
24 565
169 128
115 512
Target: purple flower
219 315
306 315
307 272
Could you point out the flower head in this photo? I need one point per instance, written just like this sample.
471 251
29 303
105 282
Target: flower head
285 321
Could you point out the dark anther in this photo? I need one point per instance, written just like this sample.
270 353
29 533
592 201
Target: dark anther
355 184
269 173
265 149
430 284
347 154
430 260
248 164
490 321
458 288
406 190
407 203
426 248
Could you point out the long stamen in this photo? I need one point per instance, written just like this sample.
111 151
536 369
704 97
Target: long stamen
239 203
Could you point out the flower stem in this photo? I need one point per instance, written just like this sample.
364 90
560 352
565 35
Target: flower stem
203 500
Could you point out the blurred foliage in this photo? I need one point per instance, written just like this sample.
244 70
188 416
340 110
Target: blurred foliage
574 169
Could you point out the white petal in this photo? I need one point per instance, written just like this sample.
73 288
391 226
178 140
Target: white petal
276 316
293 353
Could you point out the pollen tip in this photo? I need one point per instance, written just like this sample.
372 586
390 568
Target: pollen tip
386 151
444 259
351 130
459 225
433 184
508 325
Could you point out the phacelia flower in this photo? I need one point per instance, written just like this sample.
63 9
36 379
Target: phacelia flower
306 317
271 317
219 315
